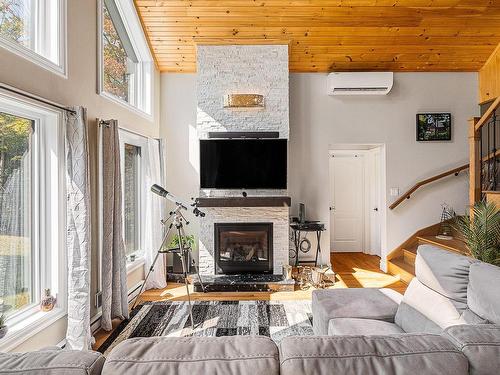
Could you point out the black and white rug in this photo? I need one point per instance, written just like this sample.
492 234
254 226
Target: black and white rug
275 319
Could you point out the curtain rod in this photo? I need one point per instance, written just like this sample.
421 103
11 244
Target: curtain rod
106 124
34 97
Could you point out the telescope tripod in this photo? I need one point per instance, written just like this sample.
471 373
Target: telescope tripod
176 220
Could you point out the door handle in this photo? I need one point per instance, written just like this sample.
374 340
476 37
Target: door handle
332 208
375 209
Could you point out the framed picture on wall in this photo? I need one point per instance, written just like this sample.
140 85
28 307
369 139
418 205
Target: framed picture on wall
433 127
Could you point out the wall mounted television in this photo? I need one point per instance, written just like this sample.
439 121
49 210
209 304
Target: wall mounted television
243 163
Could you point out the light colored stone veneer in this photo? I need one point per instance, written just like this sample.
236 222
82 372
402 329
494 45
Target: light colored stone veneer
243 69
278 216
239 69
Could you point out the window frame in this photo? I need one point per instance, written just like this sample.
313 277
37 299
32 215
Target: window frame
48 238
140 141
144 77
39 38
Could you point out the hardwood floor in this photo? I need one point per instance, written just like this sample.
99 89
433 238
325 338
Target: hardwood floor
353 270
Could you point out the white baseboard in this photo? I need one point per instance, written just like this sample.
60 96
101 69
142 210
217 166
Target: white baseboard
95 321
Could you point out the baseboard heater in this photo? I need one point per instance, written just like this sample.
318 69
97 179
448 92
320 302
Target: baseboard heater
243 135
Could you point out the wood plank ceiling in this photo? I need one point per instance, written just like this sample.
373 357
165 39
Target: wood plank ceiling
330 35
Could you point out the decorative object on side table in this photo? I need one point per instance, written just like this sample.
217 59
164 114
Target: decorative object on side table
433 127
48 301
3 327
481 232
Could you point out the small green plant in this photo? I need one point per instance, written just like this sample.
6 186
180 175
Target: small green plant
187 242
481 233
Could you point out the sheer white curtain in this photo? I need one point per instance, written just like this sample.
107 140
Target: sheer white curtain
153 213
78 335
114 273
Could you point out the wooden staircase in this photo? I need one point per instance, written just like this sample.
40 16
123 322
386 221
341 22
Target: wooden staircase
401 261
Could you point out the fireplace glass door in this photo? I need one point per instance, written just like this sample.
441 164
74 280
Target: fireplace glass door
243 248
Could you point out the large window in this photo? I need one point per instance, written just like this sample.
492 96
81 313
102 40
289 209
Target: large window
16 245
125 60
31 215
35 29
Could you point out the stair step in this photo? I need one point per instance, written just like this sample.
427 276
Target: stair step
399 267
409 255
454 244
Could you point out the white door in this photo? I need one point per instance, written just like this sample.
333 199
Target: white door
347 202
374 206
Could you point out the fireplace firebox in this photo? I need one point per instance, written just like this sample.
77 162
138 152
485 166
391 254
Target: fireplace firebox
243 248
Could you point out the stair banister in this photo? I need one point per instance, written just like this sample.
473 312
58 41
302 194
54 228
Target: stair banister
409 192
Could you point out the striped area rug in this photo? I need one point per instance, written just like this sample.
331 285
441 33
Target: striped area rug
275 319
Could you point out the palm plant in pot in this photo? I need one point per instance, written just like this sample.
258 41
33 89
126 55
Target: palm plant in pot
481 232
3 327
187 242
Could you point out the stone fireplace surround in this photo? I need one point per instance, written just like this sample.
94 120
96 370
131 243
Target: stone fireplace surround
250 69
278 216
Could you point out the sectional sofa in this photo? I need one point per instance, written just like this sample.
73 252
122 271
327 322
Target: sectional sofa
446 324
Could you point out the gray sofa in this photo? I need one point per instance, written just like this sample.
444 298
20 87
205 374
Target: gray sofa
444 324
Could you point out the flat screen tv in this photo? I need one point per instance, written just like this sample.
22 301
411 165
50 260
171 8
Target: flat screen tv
243 163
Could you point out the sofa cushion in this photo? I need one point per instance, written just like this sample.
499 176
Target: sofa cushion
369 303
424 310
480 344
52 362
244 355
389 355
483 293
444 272
356 326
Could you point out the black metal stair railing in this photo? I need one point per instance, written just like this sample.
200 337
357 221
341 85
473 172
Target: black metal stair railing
490 154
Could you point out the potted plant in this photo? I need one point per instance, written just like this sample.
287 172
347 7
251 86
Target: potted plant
188 242
3 327
481 232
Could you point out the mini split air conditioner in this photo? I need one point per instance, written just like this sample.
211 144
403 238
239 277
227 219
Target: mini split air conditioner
360 83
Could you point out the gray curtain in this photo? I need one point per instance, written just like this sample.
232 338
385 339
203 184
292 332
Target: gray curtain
114 274
78 335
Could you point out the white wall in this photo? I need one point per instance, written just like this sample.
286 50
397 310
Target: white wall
318 122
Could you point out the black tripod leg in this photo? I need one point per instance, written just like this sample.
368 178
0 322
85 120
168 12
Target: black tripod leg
198 273
151 269
185 271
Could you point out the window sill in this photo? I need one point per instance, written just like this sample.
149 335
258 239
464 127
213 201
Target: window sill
126 105
34 57
132 266
30 326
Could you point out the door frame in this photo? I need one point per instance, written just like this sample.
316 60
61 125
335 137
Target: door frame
368 150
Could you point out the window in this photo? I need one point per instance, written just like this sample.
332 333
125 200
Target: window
131 203
133 149
36 30
31 215
125 61
16 260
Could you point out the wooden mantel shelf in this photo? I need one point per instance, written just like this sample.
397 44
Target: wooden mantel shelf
264 201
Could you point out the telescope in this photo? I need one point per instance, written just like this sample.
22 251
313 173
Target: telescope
157 189
176 220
